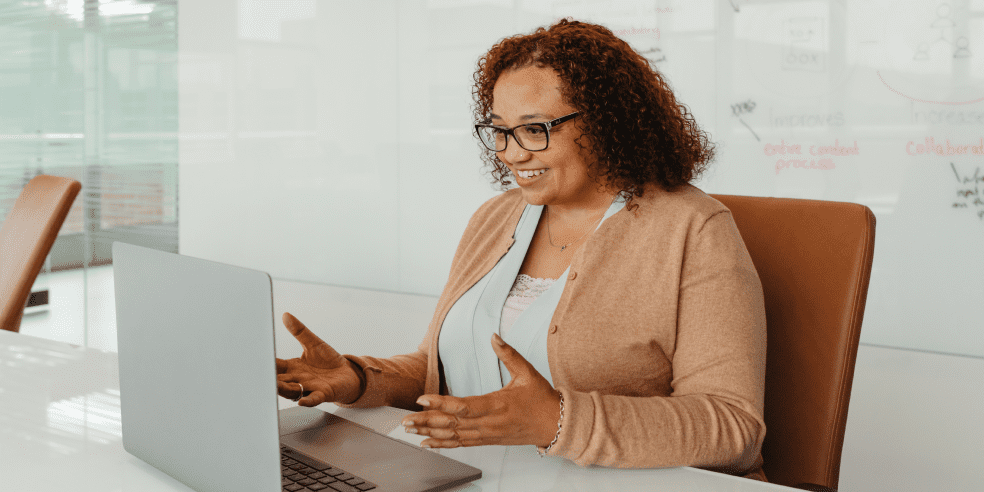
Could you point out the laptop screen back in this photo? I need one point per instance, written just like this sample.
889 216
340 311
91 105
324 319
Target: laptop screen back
197 372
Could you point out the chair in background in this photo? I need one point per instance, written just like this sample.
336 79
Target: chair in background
26 238
814 259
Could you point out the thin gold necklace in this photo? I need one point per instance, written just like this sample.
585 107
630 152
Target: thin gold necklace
578 239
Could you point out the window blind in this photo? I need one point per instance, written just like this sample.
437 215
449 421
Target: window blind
89 91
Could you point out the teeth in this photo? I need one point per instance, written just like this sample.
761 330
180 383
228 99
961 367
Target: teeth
529 174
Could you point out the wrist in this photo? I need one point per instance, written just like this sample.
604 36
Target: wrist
554 429
549 427
362 381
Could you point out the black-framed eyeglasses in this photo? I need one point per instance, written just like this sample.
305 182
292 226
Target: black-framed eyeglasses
533 137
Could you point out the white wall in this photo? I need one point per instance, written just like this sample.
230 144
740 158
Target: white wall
332 146
330 141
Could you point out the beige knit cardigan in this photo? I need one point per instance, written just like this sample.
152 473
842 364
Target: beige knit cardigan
657 343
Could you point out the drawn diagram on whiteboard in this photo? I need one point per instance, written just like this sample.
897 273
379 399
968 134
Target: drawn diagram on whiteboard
637 22
787 47
654 55
799 53
742 108
923 51
968 196
945 27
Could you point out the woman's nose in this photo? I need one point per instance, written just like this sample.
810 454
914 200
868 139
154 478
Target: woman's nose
515 153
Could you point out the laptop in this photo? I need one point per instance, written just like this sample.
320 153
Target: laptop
198 391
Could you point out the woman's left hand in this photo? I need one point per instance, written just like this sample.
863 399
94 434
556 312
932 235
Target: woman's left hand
525 411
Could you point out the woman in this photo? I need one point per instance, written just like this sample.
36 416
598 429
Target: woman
634 316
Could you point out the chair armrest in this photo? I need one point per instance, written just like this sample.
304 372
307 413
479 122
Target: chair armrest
814 487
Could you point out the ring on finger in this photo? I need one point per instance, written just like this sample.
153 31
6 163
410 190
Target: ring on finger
301 394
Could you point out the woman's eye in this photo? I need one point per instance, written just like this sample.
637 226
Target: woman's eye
533 130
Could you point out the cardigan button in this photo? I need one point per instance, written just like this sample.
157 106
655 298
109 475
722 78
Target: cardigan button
573 275
553 329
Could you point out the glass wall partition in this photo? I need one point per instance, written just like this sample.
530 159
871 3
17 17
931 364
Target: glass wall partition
88 90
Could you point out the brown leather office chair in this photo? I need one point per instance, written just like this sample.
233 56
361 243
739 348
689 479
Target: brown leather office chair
814 259
26 238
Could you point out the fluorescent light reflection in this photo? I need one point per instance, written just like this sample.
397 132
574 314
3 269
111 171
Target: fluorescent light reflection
40 136
95 417
75 9
262 19
27 356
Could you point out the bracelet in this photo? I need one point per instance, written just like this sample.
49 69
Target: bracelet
559 424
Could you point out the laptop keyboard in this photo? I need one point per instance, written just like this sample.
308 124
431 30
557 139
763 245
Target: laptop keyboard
302 473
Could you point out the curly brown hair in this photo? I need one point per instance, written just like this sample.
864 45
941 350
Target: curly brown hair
639 132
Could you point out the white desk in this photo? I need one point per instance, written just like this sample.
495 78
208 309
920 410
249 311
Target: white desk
60 430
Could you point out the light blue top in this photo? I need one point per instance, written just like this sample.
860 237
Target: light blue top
465 340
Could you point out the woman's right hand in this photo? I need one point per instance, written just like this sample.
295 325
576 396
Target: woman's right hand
325 375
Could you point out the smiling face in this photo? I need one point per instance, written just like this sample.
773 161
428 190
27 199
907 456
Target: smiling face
532 95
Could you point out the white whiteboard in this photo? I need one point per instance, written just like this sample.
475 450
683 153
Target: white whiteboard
878 102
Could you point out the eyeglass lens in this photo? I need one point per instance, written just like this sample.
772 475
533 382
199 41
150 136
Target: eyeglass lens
530 137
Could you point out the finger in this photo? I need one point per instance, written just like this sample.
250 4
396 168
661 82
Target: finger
515 363
464 429
434 402
469 406
444 434
295 377
431 418
301 332
435 433
314 399
462 439
451 443
440 443
467 437
292 386
282 366
289 390
458 407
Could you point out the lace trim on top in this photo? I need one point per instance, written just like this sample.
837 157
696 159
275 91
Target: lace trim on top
524 291
527 286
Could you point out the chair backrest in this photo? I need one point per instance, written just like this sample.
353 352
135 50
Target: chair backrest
814 259
26 238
